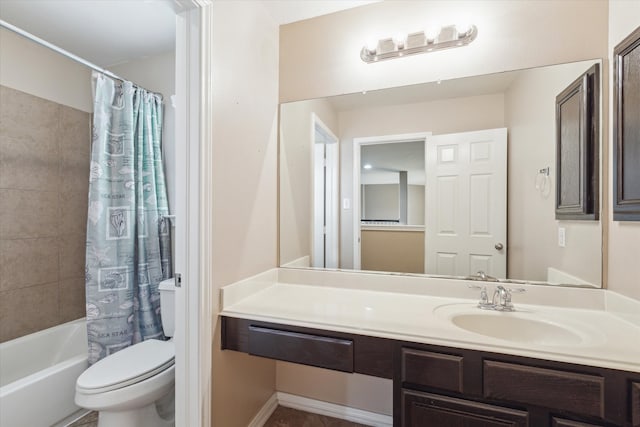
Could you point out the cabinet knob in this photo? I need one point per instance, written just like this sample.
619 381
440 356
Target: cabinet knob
499 246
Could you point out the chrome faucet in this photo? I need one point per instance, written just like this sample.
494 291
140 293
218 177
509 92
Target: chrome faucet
481 275
501 300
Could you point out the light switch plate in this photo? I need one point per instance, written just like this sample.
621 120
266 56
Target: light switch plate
561 237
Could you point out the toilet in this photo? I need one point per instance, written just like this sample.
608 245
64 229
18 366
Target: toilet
135 386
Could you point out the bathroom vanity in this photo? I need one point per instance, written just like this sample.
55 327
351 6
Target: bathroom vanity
565 357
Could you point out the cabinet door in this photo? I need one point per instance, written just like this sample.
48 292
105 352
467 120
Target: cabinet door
432 410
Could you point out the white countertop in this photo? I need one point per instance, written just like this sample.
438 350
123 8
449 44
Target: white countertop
607 327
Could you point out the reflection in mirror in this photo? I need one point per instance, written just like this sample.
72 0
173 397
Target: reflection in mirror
448 131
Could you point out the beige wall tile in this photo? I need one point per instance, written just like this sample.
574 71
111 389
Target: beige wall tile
27 310
72 255
29 165
28 262
75 153
27 117
28 214
72 299
73 213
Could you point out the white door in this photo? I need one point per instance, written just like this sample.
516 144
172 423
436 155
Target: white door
324 251
466 203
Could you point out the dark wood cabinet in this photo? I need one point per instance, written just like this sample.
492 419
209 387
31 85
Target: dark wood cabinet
444 386
432 410
635 404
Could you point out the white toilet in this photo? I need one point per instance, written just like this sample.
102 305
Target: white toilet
135 386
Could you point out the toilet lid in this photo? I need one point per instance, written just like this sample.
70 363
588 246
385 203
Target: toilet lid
128 366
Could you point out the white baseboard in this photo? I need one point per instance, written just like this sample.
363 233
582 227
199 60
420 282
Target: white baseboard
333 410
265 412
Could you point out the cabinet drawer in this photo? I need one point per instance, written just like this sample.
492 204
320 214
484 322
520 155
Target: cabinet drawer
313 350
561 422
568 391
635 404
432 410
429 369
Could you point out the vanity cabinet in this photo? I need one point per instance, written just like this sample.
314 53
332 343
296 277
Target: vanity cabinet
444 386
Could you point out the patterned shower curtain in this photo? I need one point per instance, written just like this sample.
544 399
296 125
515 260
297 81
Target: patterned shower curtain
128 235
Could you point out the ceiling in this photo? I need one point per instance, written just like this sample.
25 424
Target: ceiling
112 32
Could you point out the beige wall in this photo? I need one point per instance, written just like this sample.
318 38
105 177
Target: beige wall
533 229
438 117
380 201
36 70
624 237
319 57
296 169
391 250
44 179
245 105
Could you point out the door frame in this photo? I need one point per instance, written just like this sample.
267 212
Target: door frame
357 144
193 212
331 193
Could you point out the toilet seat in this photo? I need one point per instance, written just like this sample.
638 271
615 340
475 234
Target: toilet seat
128 366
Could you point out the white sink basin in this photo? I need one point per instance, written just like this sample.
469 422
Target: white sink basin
506 327
550 328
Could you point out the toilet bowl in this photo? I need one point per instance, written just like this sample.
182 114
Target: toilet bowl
135 386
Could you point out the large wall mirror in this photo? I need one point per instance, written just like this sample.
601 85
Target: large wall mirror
443 178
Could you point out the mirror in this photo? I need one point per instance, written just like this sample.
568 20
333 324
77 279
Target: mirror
479 160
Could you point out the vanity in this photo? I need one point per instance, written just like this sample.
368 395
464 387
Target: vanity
564 357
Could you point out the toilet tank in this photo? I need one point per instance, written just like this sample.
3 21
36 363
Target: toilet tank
167 305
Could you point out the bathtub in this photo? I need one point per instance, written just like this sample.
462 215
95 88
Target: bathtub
38 375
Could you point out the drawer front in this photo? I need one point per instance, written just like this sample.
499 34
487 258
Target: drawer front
568 391
635 404
432 410
561 422
429 369
313 350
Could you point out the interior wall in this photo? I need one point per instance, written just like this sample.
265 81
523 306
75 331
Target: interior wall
44 180
392 250
39 71
319 58
624 236
45 105
438 117
296 187
245 106
533 231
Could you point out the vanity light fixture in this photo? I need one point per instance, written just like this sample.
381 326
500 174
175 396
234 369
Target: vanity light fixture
423 41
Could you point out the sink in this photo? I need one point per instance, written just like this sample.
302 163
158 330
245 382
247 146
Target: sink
505 326
531 326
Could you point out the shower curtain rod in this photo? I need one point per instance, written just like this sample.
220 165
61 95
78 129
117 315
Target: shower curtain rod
61 51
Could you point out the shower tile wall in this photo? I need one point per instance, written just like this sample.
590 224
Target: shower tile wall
44 179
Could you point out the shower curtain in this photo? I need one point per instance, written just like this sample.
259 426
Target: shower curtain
128 248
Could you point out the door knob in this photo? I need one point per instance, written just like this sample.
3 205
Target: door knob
499 246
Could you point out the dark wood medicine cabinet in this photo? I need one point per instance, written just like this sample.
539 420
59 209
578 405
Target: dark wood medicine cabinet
626 129
578 148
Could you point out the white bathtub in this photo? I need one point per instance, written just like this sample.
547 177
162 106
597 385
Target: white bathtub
38 375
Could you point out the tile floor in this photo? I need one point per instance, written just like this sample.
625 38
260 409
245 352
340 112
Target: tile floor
287 417
281 417
89 420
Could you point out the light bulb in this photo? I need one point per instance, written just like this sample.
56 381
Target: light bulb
400 40
367 166
463 28
431 33
372 46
